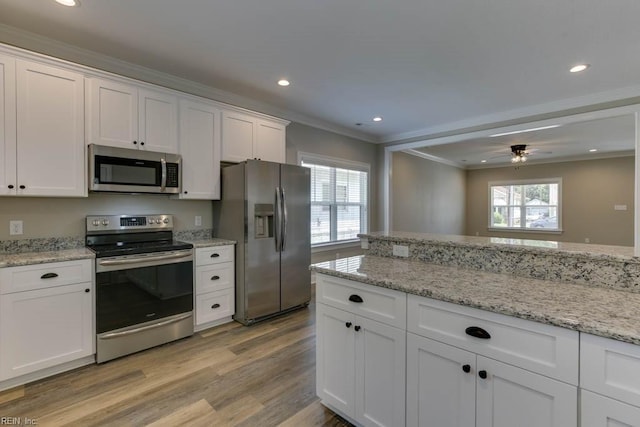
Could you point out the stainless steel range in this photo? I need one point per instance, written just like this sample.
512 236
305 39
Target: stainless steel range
144 283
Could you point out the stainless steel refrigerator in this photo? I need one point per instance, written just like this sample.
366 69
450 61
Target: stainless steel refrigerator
265 207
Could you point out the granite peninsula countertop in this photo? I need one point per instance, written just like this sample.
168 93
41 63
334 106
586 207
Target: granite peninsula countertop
599 311
29 258
625 253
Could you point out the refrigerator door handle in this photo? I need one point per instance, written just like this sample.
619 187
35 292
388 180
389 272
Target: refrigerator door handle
283 241
278 221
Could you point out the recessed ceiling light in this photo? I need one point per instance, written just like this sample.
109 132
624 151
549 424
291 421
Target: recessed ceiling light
69 2
593 150
483 161
284 82
578 68
377 119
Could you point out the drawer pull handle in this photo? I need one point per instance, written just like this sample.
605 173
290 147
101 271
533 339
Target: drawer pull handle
49 276
482 374
357 328
356 298
215 277
466 368
478 332
214 306
348 324
216 255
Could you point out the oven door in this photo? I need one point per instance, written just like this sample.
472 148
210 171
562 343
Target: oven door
137 289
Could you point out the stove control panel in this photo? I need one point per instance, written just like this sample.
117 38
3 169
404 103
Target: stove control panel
120 223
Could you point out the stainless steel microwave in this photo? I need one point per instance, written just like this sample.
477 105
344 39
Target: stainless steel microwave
125 170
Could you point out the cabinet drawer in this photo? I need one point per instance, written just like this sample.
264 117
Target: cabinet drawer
540 348
381 304
214 306
39 276
214 277
610 367
214 255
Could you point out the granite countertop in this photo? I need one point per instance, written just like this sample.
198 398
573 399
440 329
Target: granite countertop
213 241
625 253
605 312
28 258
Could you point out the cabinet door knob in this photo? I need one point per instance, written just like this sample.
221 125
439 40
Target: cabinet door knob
141 142
478 332
135 142
482 374
214 306
356 298
11 186
216 255
357 328
87 290
186 192
22 187
49 276
348 324
466 368
215 277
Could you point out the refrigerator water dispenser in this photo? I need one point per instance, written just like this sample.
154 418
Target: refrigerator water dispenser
263 220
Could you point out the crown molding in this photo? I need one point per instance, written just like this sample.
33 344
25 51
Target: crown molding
34 42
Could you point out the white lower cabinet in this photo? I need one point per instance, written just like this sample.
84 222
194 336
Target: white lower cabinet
451 387
45 320
215 286
361 367
360 362
610 382
600 411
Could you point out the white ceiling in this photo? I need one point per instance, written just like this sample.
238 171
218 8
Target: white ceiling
421 64
611 137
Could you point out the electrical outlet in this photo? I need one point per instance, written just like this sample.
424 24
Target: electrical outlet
15 228
587 240
198 221
401 250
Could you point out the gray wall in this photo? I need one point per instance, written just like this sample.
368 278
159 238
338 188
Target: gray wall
427 196
590 189
65 217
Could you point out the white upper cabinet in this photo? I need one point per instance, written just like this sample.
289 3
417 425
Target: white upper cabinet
49 155
128 116
248 137
7 125
199 147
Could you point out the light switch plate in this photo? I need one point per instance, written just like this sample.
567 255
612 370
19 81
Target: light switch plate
619 207
198 221
401 250
15 228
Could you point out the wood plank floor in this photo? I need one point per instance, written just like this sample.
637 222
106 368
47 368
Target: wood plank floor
232 375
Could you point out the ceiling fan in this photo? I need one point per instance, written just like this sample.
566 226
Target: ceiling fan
520 153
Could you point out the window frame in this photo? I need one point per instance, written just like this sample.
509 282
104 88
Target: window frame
334 162
522 228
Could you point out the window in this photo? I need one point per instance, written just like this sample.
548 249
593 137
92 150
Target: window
526 205
339 199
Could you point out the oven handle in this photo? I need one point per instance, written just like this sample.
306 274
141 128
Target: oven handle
163 183
109 262
145 328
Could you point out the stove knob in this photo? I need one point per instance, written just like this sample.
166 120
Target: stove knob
95 222
166 221
105 222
